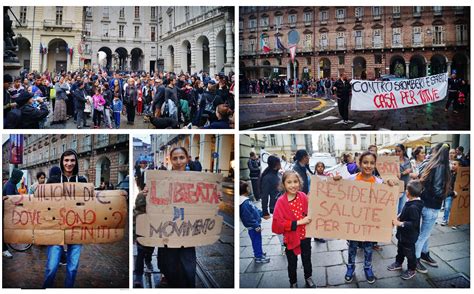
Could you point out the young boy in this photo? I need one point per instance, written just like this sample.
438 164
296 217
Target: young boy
251 218
456 163
408 229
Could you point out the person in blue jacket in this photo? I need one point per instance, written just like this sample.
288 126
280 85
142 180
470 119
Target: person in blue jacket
251 218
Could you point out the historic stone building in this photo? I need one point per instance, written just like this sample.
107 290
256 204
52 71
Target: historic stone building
363 42
216 152
127 34
100 156
45 34
196 38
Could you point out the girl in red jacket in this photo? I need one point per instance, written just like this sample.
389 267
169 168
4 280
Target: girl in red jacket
290 218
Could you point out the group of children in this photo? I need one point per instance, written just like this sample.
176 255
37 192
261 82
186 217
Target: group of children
291 217
110 114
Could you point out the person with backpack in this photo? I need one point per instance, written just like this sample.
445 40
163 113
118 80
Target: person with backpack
170 108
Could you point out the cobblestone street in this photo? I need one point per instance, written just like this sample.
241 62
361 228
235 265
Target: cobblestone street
100 266
280 114
451 248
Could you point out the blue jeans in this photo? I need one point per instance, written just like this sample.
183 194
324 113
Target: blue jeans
428 219
447 208
256 238
401 202
52 264
352 252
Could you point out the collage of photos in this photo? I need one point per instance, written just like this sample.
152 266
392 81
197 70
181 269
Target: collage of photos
127 136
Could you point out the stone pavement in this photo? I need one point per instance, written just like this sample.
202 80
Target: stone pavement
451 248
425 117
100 266
261 110
139 123
215 262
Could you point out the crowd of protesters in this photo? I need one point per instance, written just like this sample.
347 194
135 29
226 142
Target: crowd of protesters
104 99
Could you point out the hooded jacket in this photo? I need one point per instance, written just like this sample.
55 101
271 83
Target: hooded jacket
63 178
249 214
410 216
10 185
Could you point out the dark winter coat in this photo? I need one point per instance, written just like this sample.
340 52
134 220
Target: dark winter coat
410 216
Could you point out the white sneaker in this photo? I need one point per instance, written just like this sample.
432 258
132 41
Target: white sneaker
7 254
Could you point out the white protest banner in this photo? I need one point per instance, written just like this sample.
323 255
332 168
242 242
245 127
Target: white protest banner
181 209
383 95
285 165
351 210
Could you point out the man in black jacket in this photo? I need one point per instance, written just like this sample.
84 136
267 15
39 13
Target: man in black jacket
254 167
30 115
343 90
80 101
408 230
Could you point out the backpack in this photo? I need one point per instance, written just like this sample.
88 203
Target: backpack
165 111
327 84
13 119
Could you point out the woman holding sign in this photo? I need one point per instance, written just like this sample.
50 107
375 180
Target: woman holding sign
367 163
436 179
290 219
178 265
69 173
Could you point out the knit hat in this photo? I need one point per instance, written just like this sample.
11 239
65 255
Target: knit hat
24 97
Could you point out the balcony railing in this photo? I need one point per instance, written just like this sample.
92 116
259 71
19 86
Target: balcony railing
53 24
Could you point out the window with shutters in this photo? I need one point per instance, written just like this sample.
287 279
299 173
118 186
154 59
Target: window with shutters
417 36
376 12
359 12
340 14
340 41
323 16
359 41
377 38
461 34
308 17
23 11
121 27
137 11
396 37
59 15
438 35
292 18
308 41
323 41
278 21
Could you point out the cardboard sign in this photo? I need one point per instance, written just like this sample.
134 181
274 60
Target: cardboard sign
181 209
351 210
69 213
389 169
460 212
383 95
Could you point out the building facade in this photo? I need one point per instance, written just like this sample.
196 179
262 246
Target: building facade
48 37
196 38
101 157
216 152
126 34
363 42
141 150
